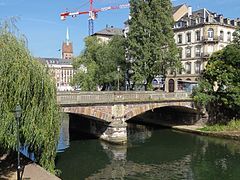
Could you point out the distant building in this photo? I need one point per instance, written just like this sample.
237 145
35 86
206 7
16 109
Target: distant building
62 71
67 48
107 33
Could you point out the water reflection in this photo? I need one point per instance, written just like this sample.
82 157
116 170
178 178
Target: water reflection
63 142
151 154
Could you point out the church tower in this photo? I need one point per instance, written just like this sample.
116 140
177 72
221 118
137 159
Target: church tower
67 49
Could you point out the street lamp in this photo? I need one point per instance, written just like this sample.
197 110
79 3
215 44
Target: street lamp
130 72
118 70
18 112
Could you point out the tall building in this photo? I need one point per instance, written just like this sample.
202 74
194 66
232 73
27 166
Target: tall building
67 48
197 34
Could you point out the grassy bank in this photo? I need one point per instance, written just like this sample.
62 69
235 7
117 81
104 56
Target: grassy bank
233 125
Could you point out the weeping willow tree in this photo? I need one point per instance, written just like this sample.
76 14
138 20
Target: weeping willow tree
25 81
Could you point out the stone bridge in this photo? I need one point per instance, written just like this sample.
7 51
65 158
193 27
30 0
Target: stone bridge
114 108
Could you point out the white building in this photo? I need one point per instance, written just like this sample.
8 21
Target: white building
62 71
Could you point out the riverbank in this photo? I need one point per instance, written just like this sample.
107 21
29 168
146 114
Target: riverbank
235 135
30 170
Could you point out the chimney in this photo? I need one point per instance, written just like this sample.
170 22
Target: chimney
238 21
221 18
226 21
189 11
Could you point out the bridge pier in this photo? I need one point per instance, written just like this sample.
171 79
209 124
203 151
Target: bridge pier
115 132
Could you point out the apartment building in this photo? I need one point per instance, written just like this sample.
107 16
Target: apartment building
197 34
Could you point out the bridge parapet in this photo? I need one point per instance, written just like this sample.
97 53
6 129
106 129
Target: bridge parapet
109 97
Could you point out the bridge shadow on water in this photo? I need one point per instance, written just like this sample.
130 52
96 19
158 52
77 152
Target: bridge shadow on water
81 126
152 152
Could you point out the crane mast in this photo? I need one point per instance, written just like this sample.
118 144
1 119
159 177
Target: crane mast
92 14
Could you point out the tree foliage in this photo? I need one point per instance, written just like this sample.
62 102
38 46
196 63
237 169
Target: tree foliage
97 64
219 89
150 41
25 81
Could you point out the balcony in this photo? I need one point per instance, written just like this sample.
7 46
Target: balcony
215 39
206 55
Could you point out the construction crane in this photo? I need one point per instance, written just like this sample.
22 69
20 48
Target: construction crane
92 14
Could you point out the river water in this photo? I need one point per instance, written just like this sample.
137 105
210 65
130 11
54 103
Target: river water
151 153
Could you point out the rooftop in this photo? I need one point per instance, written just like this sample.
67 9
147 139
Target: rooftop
55 61
110 31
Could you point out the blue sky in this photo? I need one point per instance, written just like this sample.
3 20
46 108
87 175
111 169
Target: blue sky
40 20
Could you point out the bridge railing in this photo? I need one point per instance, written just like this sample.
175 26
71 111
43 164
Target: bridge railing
71 98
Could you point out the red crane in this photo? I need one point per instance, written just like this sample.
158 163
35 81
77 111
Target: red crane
92 14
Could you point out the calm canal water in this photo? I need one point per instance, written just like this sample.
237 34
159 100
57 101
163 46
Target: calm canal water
150 154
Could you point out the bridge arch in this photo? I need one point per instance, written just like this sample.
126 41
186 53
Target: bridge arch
99 113
134 110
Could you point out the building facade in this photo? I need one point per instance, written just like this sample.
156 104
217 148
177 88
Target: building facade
61 70
107 33
197 34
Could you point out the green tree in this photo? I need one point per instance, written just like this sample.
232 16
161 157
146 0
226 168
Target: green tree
150 41
25 81
97 64
219 88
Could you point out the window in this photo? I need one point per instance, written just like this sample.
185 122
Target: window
197 66
188 68
221 36
188 37
210 33
180 85
229 36
180 52
198 51
197 35
180 70
171 85
179 40
188 52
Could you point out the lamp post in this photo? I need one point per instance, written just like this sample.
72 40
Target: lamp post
118 70
18 112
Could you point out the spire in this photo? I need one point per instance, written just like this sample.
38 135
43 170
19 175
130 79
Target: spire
67 37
